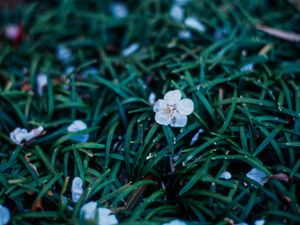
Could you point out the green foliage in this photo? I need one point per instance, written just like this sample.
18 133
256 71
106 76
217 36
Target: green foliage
144 172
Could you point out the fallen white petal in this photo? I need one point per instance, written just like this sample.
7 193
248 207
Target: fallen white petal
63 53
175 222
18 135
69 70
185 106
225 175
196 136
130 49
179 120
42 81
193 23
177 12
257 175
77 126
76 189
90 72
162 118
247 67
184 34
259 222
172 97
119 10
88 211
34 133
4 215
12 31
105 217
152 98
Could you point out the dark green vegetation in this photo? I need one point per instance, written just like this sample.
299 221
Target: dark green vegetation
255 123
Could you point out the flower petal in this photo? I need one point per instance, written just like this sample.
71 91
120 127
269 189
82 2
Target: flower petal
196 136
105 217
18 135
260 222
63 54
179 120
162 118
12 32
194 24
77 125
175 222
152 98
257 175
225 175
177 12
184 34
119 10
159 105
76 189
34 133
4 215
185 106
42 81
247 68
130 49
172 97
88 211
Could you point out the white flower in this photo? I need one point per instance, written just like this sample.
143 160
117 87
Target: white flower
4 215
184 34
19 135
63 54
104 216
196 136
182 2
76 126
12 32
193 23
257 175
172 109
119 10
259 222
247 67
76 189
175 222
225 175
177 12
130 49
42 81
152 98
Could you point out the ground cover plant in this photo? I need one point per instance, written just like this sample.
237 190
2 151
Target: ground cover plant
83 78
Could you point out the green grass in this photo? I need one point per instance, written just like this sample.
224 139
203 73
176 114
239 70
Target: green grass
255 123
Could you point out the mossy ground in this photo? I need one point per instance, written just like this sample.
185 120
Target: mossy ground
249 118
